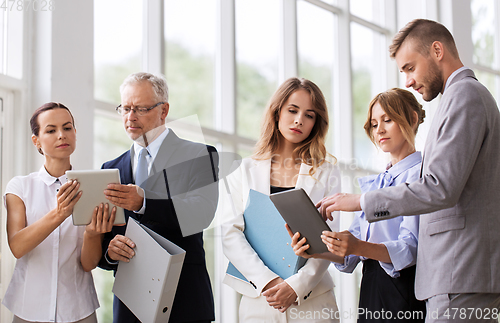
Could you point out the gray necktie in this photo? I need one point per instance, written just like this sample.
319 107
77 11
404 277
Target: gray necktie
141 172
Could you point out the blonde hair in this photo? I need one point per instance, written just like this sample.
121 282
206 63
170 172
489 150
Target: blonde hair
312 150
399 105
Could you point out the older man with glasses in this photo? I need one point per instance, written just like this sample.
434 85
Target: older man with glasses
165 186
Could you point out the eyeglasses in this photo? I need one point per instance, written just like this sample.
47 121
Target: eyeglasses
140 111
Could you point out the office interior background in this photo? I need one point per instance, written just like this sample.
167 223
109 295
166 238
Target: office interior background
223 59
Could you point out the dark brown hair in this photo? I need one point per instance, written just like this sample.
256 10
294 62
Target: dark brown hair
399 105
35 126
423 33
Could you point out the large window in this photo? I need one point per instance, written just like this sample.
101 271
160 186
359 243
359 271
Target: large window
190 58
486 42
11 39
257 48
117 45
315 40
368 79
316 28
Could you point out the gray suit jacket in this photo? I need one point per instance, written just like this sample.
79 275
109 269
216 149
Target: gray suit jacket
458 195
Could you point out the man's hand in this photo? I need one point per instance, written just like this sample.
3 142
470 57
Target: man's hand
281 296
121 248
130 197
341 243
338 202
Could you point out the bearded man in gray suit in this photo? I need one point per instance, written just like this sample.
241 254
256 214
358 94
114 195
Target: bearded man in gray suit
458 194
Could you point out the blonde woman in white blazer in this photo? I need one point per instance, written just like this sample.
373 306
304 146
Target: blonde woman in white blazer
289 154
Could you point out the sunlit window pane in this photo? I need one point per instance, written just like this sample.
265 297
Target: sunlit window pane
315 42
11 41
315 32
110 141
117 45
371 10
257 33
190 27
3 18
368 62
483 32
489 80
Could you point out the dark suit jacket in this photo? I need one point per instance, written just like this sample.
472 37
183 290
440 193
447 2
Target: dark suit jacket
179 170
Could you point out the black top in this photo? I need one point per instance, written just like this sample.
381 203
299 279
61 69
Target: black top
277 189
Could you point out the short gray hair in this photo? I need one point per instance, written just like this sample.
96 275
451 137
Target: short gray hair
158 82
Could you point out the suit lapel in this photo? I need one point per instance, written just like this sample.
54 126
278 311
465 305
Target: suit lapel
126 169
460 76
166 151
457 78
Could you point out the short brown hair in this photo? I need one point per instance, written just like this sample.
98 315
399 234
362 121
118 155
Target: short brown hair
423 33
399 106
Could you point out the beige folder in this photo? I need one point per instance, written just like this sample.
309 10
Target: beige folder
147 284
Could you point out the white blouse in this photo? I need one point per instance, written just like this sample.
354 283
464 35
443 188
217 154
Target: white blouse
49 283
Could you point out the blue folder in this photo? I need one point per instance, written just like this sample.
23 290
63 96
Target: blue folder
265 231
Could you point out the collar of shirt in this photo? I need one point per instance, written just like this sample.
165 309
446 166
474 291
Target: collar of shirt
49 179
153 149
409 161
448 81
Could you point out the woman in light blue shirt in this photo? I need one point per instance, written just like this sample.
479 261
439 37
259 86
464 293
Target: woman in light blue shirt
388 249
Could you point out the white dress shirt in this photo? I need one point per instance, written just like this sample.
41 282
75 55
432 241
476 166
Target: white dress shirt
49 283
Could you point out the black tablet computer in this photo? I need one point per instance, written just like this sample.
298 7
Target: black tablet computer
301 214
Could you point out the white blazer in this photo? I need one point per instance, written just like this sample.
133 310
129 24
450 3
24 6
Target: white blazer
312 279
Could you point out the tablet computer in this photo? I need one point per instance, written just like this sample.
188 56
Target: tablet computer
301 214
92 184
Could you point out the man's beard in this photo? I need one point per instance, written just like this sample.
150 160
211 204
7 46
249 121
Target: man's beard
434 83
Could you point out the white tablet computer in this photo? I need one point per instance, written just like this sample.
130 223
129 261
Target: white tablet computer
92 184
301 214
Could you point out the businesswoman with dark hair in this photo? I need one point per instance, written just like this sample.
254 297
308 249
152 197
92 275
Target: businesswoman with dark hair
290 153
52 280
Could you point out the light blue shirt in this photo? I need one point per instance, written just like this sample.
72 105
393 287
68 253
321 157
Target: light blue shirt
399 234
153 149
